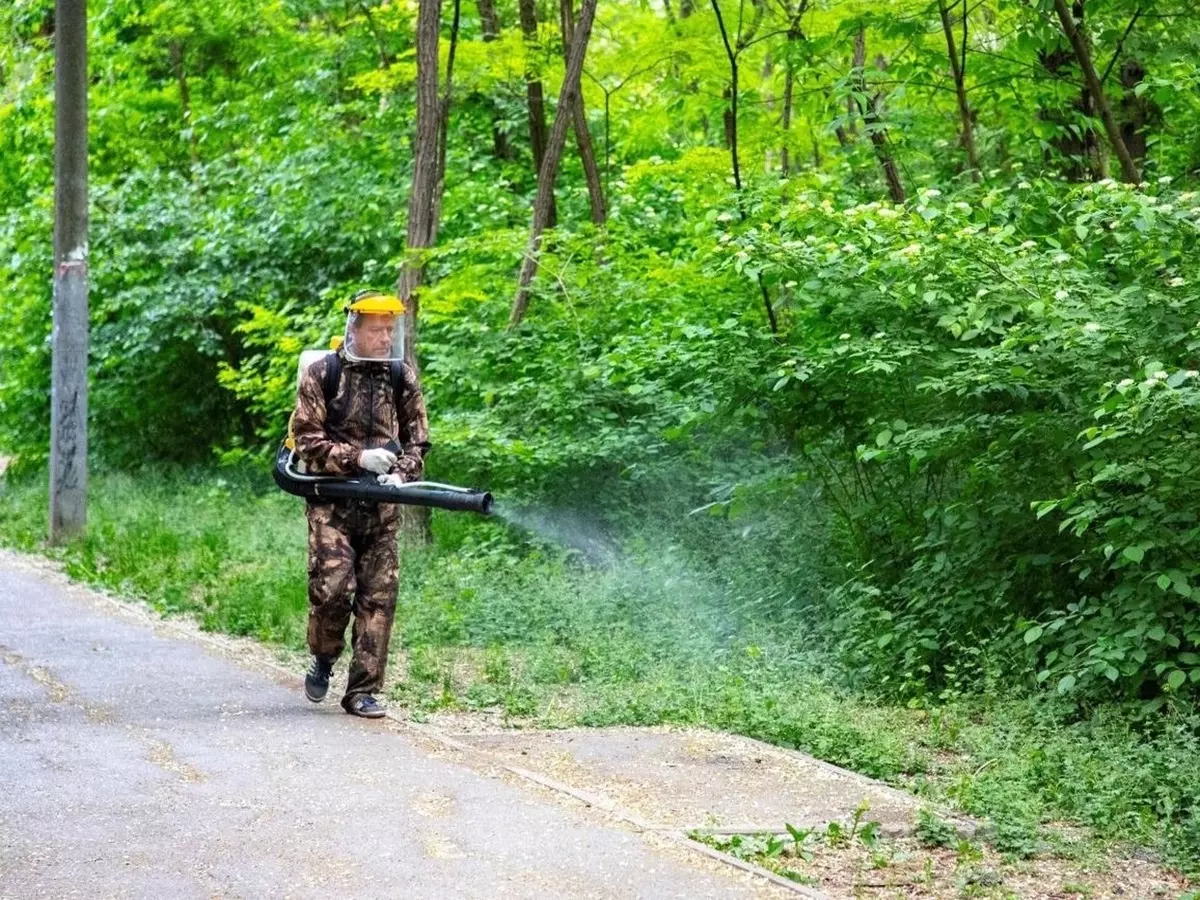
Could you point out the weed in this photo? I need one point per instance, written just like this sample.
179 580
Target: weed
934 832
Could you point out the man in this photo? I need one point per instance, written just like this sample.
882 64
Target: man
373 421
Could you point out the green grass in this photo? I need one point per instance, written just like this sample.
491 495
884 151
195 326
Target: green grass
490 620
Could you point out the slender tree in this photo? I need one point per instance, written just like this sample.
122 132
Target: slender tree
1083 55
385 55
795 34
444 126
583 137
533 90
490 20
958 71
549 171
869 107
733 50
731 94
1138 111
177 53
422 199
610 91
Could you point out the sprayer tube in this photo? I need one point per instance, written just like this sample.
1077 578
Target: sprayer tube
441 496
459 501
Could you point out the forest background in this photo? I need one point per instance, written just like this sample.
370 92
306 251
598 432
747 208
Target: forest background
849 398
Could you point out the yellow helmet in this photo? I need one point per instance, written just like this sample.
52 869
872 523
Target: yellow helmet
374 327
375 303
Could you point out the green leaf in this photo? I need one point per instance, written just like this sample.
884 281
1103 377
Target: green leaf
883 438
1033 634
1082 231
1066 684
1134 553
1176 679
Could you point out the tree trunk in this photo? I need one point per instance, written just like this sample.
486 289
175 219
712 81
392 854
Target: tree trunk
583 137
548 173
490 19
731 93
421 201
533 92
868 107
1138 114
731 123
385 56
1074 145
789 79
1129 169
857 62
768 102
423 206
960 89
439 188
794 34
175 49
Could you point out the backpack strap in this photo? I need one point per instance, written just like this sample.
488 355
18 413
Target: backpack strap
332 378
397 372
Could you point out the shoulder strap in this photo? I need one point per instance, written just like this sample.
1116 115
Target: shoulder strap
397 371
331 378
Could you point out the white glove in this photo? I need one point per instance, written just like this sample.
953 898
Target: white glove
377 461
396 479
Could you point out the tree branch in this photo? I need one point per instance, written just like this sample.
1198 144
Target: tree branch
1121 45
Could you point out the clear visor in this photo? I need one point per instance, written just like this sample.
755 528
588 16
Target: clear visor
374 337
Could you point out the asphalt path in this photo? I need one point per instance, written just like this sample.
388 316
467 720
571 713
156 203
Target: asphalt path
140 764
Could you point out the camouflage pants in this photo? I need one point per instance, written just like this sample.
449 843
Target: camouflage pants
353 568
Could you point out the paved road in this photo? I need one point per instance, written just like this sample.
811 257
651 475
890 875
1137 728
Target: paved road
134 764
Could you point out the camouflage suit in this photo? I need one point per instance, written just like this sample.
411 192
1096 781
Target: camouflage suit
352 554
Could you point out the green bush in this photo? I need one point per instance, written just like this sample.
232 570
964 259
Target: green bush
994 391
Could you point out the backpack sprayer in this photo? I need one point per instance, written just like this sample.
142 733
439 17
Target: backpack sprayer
291 474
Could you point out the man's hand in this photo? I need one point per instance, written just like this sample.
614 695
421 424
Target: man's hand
396 479
378 461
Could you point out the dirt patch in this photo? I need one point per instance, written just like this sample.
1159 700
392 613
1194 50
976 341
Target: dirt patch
163 755
55 689
901 867
695 779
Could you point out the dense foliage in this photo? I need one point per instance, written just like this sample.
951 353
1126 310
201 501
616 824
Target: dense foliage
979 398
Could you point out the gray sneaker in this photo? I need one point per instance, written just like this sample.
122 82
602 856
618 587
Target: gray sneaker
316 681
363 705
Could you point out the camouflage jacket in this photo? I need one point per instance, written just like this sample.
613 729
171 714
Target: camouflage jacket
361 416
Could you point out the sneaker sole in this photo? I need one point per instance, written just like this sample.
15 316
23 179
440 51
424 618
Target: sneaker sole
312 697
377 714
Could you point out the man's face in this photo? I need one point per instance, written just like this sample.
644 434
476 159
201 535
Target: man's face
373 336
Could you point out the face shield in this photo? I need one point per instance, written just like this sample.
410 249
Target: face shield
375 329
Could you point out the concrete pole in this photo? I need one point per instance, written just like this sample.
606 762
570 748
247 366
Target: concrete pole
68 385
